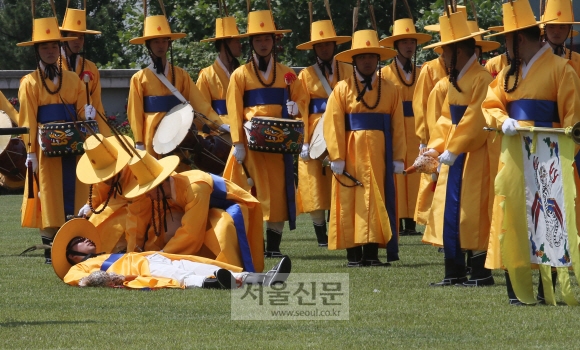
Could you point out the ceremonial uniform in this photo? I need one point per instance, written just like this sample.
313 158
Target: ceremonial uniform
496 64
213 84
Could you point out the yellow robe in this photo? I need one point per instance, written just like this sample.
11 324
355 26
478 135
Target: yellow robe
496 64
266 169
468 217
559 83
145 83
431 73
314 185
407 185
32 95
207 231
359 214
136 264
94 89
213 83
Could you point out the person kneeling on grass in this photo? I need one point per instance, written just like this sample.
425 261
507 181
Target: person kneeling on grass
77 262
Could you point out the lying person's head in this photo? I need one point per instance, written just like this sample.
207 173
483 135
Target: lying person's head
80 249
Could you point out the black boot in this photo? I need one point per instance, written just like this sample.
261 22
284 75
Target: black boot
513 299
480 276
47 252
402 231
321 236
273 240
468 262
370 255
541 298
410 227
454 274
354 256
223 280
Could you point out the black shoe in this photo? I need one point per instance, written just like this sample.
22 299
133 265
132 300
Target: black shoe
48 261
481 282
279 273
449 282
322 245
516 302
223 280
413 232
321 236
354 264
268 254
403 233
375 263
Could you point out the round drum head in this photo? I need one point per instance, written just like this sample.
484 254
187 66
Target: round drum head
173 128
5 122
317 142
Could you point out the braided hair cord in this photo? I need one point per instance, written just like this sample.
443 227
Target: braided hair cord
514 66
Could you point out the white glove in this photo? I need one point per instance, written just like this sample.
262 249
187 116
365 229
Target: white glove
422 148
509 127
398 166
31 159
239 152
305 154
140 146
431 152
292 108
224 128
447 158
337 166
90 112
85 211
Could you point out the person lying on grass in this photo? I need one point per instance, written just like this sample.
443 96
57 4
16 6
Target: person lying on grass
77 261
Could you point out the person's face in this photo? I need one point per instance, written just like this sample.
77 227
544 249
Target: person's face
235 47
49 52
557 33
159 46
85 246
406 47
76 46
447 54
263 44
325 51
366 63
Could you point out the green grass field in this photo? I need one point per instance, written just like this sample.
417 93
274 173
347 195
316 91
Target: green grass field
389 307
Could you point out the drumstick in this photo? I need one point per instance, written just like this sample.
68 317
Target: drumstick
86 79
14 131
250 181
358 183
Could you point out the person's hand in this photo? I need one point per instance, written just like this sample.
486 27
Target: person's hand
422 148
140 146
292 108
224 128
305 154
85 211
90 112
239 152
337 166
431 153
398 166
31 159
509 127
448 158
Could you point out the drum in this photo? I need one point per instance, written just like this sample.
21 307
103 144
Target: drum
208 153
317 142
276 135
12 160
173 128
67 138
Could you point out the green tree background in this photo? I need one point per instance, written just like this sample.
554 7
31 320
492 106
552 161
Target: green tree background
121 20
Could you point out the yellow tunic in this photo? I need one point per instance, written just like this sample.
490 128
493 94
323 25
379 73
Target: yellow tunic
145 83
314 185
32 95
266 169
94 89
213 83
358 214
136 264
496 64
468 216
208 231
407 185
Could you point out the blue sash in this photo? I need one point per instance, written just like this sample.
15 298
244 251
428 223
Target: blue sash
542 112
218 200
51 113
110 261
408 109
156 104
317 105
381 121
219 106
457 112
278 96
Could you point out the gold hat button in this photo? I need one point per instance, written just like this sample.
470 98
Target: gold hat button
158 28
321 33
559 13
261 24
48 31
368 43
407 29
79 22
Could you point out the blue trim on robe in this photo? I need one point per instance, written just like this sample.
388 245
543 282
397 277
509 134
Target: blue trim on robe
457 112
382 122
56 112
408 109
156 104
110 261
219 106
542 112
218 200
317 105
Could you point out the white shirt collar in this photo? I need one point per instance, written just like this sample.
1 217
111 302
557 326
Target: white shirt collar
43 66
223 66
266 74
469 63
155 70
330 77
526 67
360 77
407 75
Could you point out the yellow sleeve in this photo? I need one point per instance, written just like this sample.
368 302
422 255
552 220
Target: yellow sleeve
303 80
203 85
300 95
201 104
96 93
440 123
334 128
494 106
568 98
135 111
398 128
423 88
235 104
28 97
81 98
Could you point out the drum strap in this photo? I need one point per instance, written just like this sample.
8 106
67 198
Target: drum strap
168 84
322 79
